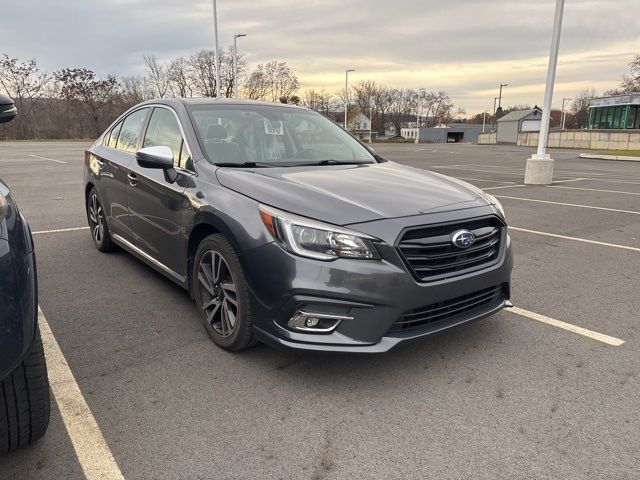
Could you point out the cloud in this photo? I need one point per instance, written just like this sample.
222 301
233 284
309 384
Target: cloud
466 47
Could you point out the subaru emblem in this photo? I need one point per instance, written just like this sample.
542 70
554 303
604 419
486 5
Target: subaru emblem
463 238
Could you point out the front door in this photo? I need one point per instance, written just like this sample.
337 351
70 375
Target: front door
155 205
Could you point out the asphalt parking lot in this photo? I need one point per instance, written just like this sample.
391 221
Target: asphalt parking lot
546 391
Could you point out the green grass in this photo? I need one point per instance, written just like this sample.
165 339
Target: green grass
618 153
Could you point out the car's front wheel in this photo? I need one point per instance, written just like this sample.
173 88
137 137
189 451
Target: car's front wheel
24 401
221 294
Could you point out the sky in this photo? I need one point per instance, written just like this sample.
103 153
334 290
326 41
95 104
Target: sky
465 47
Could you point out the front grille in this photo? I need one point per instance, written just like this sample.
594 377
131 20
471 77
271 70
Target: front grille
429 253
436 312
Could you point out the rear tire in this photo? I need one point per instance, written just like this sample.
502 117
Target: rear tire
100 233
222 295
24 401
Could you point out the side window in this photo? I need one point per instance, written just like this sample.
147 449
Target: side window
112 138
130 131
163 130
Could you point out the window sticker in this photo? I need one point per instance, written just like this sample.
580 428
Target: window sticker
273 127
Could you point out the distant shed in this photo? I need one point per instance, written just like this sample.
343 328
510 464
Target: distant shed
518 121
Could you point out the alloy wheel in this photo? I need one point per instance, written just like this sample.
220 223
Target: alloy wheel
218 293
96 219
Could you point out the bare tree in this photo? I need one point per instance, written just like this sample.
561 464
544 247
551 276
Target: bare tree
402 105
27 85
273 81
159 75
317 100
180 82
580 109
630 82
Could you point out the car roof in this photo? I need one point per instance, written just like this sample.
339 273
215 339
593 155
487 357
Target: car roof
217 101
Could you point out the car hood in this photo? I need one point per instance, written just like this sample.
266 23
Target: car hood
346 194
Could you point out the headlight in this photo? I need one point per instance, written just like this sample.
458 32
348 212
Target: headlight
313 239
496 203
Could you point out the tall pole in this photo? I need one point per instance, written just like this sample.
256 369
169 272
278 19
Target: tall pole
215 45
500 97
370 122
484 120
564 115
235 62
539 169
418 108
346 96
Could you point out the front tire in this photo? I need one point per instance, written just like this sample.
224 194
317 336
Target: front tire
24 401
222 295
98 223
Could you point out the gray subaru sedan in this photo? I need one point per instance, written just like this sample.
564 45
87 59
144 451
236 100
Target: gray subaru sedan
287 230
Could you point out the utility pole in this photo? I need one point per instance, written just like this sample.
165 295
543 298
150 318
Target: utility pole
484 120
235 62
370 122
564 115
418 108
539 169
215 45
346 96
500 97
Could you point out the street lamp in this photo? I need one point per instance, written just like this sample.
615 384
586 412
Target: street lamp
564 115
215 42
235 61
346 95
500 97
418 108
539 170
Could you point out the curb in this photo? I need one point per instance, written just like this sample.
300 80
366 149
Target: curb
609 157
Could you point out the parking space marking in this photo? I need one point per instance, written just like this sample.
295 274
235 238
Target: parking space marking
60 230
592 207
483 180
94 455
570 180
575 239
601 337
45 158
593 190
505 186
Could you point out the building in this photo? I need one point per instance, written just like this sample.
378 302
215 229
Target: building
518 121
620 112
359 124
450 133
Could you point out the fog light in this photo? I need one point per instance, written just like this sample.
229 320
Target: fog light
311 322
315 322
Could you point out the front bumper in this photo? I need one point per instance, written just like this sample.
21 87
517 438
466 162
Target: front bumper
375 293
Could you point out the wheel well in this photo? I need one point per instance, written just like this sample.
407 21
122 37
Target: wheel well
198 234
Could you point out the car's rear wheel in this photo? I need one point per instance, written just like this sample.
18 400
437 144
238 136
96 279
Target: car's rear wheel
98 223
221 294
24 401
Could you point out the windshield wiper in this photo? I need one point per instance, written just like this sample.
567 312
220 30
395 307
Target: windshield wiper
336 162
245 164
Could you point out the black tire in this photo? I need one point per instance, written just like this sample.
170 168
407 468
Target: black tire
241 335
24 401
98 223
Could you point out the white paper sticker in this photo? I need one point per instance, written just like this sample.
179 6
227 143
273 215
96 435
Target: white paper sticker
273 127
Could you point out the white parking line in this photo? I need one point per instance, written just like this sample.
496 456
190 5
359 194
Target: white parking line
570 180
575 239
593 190
60 230
483 180
592 207
616 342
505 186
45 158
94 455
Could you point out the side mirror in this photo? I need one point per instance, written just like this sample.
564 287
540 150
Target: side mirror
8 110
160 157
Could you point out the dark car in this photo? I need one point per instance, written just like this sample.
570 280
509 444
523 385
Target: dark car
287 230
24 388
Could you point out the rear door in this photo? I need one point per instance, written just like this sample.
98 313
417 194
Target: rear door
156 205
113 159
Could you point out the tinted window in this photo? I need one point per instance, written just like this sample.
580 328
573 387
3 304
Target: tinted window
163 130
112 137
277 135
130 131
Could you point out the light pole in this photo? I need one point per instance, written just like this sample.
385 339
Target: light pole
346 96
564 115
484 120
418 108
495 99
500 97
370 122
235 62
215 45
539 169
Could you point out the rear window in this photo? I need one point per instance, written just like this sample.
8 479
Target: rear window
111 139
130 132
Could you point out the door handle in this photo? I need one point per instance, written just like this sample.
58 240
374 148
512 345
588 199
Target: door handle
133 179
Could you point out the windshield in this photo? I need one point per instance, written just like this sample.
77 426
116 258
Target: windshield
259 135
